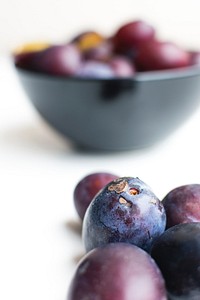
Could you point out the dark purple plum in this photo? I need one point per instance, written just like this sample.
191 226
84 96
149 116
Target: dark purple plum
24 56
117 272
87 188
61 60
95 69
133 34
177 253
126 210
25 60
122 66
157 55
182 205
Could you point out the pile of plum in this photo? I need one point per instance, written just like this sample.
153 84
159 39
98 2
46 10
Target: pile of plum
134 47
138 247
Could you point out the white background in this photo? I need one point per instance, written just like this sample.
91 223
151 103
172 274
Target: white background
39 228
28 20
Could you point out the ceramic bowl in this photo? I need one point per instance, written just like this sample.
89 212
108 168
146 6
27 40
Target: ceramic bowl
115 114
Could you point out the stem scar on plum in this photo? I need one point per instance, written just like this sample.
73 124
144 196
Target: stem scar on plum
133 191
121 186
118 186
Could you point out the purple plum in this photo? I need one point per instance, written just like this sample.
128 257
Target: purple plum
177 254
117 272
126 210
182 205
87 188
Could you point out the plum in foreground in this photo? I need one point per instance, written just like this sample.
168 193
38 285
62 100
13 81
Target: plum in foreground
177 253
182 205
126 210
117 272
88 187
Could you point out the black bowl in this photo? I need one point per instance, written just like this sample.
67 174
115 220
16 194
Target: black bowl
115 114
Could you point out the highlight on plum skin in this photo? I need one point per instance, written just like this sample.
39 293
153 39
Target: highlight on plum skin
125 210
95 69
122 66
88 187
182 205
60 60
117 272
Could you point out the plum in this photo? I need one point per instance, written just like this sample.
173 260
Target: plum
117 272
132 34
122 66
24 56
157 55
177 253
61 60
87 188
133 47
182 205
101 52
125 210
25 60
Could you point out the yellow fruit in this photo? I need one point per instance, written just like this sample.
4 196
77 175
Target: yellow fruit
32 47
89 40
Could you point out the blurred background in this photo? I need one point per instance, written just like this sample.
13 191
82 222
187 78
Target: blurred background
39 227
22 21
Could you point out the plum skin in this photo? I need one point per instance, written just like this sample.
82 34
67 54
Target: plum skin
156 55
132 34
117 271
122 66
25 60
102 52
126 210
177 253
58 60
87 188
182 205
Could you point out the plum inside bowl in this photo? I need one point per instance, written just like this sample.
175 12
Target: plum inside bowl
116 113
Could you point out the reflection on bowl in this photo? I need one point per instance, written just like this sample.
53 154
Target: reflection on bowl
115 114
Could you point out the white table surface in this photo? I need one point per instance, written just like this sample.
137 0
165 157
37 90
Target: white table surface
39 228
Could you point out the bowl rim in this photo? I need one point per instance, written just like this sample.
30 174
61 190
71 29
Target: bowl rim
147 76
